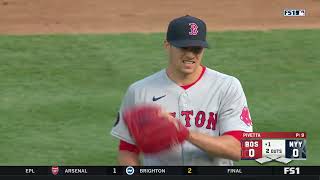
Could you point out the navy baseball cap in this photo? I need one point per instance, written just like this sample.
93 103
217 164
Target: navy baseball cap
187 31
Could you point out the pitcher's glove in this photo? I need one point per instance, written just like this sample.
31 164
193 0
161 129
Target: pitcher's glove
154 130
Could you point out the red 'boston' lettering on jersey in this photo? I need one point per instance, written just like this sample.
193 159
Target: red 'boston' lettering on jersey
212 121
200 119
187 117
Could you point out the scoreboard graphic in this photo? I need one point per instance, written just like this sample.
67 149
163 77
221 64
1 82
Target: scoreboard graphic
274 146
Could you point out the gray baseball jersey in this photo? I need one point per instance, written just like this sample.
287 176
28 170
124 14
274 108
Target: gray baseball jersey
216 104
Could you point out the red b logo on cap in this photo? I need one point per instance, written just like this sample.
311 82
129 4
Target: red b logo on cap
193 29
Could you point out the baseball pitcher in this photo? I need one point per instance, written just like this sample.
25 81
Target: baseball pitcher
186 114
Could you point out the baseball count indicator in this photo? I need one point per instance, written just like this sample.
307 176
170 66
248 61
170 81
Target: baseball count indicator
269 146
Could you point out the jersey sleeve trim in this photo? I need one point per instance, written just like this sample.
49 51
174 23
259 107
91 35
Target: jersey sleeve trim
125 146
235 134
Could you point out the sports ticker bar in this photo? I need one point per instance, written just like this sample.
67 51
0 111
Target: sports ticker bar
158 170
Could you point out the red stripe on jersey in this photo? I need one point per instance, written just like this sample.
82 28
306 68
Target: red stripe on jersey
235 134
189 85
124 146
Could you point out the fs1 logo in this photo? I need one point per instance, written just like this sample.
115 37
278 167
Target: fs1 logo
291 170
294 12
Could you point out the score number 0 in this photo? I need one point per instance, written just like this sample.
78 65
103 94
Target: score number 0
295 153
251 152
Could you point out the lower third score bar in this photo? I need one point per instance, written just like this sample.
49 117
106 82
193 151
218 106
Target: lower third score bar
274 146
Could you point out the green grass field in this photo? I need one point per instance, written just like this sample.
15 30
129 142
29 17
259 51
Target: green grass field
59 94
